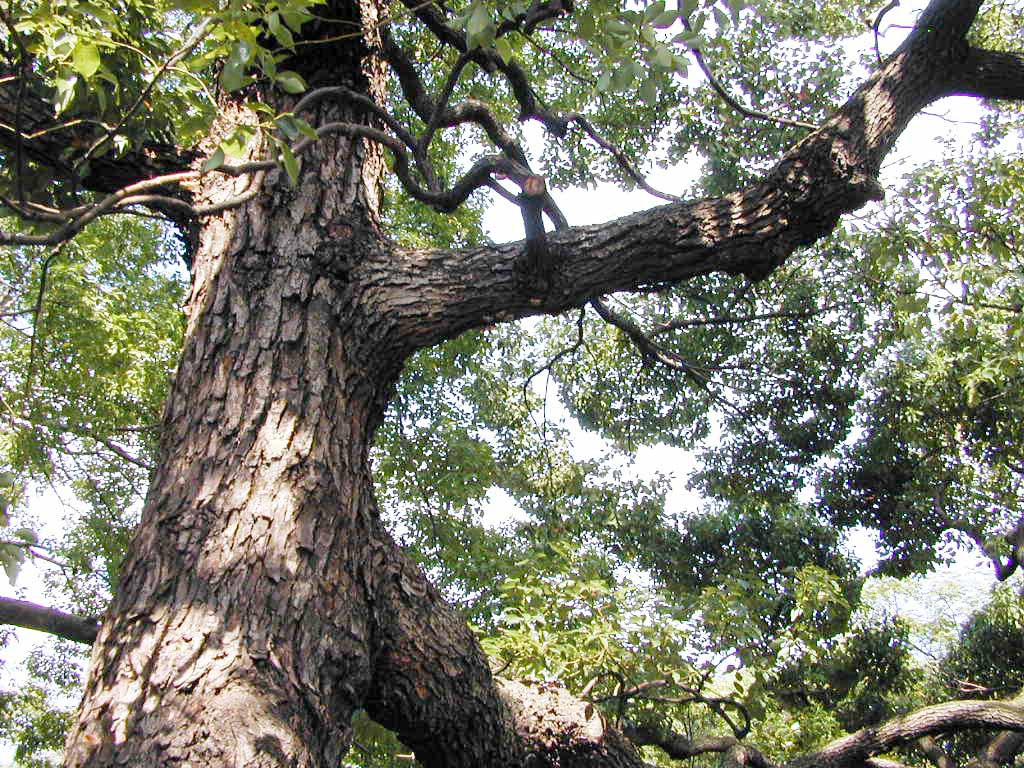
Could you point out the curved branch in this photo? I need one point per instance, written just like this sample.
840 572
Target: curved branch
832 171
876 26
941 718
675 745
936 754
620 157
1001 751
647 348
22 613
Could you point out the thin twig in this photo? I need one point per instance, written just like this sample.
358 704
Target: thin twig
744 110
877 25
648 348
31 548
37 310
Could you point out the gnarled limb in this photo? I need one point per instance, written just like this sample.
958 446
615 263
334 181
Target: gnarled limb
952 716
830 172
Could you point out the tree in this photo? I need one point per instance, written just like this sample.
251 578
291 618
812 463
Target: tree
262 602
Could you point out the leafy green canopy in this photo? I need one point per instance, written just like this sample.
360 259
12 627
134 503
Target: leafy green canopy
871 382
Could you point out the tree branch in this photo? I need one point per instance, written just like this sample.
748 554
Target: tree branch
724 95
832 171
942 718
650 350
936 754
44 142
675 745
22 613
80 431
991 75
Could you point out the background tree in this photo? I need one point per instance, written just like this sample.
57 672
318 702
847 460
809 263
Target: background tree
263 603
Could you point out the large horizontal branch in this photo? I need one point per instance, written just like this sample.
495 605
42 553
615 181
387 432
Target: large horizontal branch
950 717
429 296
22 613
991 75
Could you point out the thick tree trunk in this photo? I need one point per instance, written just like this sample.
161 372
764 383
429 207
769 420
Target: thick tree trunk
241 631
262 602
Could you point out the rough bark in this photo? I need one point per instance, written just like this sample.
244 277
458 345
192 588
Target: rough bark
262 602
241 630
855 749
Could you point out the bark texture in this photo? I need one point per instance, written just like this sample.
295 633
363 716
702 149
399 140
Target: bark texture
262 602
241 630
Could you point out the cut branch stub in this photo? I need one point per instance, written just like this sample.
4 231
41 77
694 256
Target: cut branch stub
537 263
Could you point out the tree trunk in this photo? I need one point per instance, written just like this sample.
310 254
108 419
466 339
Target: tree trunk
262 602
241 630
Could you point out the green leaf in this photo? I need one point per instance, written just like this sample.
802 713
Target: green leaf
27 535
654 10
286 124
305 128
616 27
292 164
586 25
504 49
214 161
11 558
479 27
295 19
280 32
65 92
235 144
624 76
233 77
86 59
666 19
268 64
291 82
649 92
663 58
